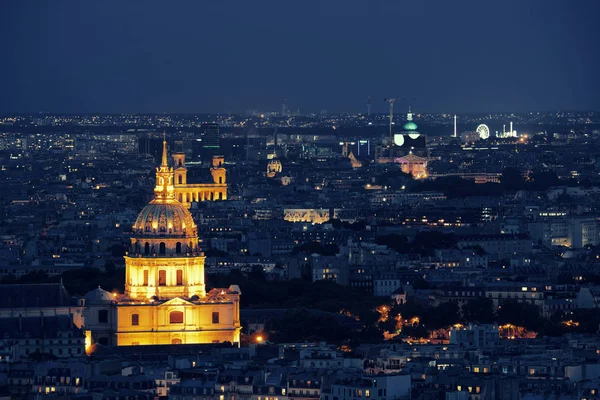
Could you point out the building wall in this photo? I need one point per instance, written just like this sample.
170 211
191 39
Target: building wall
380 387
385 287
500 248
154 325
192 270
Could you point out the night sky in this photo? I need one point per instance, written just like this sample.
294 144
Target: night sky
232 55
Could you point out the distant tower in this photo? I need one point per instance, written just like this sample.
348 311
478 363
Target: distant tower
284 108
391 102
511 129
180 169
369 106
211 139
454 126
217 170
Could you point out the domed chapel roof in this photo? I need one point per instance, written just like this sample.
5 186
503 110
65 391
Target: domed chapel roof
164 215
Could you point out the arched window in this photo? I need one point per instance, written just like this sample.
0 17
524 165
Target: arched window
176 317
176 341
162 248
180 179
162 277
135 319
147 248
178 248
145 277
180 198
179 277
220 179
180 162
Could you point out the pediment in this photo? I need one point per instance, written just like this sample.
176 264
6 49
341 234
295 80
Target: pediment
177 301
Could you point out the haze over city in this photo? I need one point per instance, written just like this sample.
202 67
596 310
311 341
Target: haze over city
230 56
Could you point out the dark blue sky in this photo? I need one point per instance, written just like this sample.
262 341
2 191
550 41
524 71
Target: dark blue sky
231 55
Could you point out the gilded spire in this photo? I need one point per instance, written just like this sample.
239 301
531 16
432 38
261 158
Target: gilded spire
164 189
164 154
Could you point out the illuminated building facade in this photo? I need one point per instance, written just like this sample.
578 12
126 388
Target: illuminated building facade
310 215
186 193
415 165
409 140
354 161
274 167
165 299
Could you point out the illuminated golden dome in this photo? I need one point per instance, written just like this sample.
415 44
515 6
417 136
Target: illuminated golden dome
165 218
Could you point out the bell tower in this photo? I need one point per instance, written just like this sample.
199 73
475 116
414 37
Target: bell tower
180 169
218 171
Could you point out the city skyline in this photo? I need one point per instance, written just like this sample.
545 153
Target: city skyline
206 58
321 200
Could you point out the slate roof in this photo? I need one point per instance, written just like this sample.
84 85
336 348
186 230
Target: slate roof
34 295
32 327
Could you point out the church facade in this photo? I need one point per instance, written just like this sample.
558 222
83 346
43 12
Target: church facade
186 193
165 299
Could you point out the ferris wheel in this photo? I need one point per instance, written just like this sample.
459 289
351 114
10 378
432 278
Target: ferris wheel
483 131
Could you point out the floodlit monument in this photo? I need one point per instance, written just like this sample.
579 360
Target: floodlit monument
165 299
